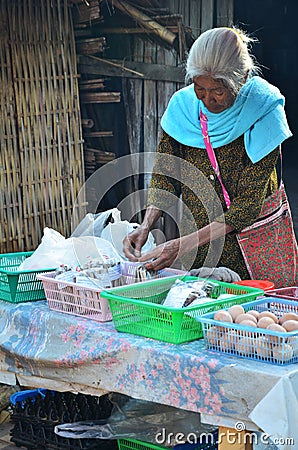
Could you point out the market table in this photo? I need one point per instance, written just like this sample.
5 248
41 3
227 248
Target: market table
44 348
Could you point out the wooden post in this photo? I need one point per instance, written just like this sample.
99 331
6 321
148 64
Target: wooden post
231 439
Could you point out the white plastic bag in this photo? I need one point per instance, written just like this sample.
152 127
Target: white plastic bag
72 252
93 224
109 226
48 253
94 236
116 232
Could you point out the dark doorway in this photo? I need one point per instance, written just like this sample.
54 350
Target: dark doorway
274 24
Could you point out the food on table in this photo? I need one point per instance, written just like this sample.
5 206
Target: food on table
288 316
268 314
283 352
223 316
264 322
279 329
263 347
254 313
263 342
244 316
290 325
245 345
235 311
248 323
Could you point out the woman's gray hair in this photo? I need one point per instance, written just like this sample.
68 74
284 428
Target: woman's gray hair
222 54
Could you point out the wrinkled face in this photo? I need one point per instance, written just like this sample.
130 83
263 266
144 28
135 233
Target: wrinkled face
213 93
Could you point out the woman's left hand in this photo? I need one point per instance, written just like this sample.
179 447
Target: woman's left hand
162 256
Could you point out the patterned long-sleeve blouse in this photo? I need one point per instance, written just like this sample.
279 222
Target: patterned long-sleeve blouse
186 173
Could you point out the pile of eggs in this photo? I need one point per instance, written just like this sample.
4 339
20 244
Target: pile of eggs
257 344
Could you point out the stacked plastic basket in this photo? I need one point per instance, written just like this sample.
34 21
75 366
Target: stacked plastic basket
16 285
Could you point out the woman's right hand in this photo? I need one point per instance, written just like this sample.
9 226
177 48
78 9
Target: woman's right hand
134 241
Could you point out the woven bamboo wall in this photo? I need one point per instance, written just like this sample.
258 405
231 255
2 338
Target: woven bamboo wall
41 155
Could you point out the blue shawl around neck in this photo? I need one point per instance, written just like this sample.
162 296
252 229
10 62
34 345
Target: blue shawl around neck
257 113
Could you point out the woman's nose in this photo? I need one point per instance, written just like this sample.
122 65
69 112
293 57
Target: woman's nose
207 98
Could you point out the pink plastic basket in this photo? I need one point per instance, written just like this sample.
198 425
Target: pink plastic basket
290 293
71 298
128 272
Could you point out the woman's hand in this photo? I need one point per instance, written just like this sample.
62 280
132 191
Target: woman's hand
163 255
134 241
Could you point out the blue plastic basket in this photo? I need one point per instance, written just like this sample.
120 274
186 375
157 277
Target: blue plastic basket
22 396
254 343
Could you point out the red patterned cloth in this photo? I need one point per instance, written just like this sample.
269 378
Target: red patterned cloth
269 246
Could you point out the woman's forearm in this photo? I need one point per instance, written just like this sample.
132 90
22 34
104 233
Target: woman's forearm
152 214
206 234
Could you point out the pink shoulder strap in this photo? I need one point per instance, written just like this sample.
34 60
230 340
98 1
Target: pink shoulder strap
212 157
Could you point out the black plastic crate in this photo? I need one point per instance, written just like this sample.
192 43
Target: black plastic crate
35 413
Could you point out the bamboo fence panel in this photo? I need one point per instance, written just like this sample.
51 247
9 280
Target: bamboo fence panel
11 232
38 62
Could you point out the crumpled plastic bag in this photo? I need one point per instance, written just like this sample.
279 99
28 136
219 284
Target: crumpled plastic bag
116 232
94 224
109 226
72 252
96 234
137 419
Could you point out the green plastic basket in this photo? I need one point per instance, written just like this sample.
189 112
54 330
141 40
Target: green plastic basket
19 286
137 309
134 444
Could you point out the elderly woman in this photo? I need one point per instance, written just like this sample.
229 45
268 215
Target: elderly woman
229 108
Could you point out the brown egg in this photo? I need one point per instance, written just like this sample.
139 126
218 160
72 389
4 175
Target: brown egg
263 347
282 352
235 311
245 332
278 328
288 316
264 322
228 340
242 317
213 335
293 341
254 313
268 314
248 323
223 316
245 345
290 325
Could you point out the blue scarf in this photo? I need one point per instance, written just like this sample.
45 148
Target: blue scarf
257 113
